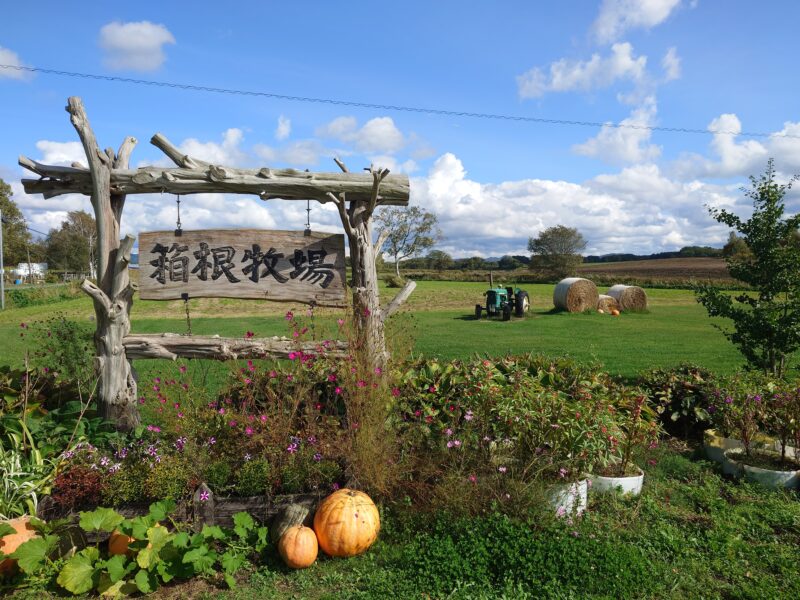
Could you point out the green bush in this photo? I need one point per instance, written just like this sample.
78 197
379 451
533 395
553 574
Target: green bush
126 485
253 478
218 475
394 281
168 479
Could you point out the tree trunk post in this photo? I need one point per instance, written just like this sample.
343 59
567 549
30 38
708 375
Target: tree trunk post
113 294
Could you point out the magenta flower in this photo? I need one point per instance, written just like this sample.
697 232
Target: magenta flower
289 315
468 416
502 469
361 383
340 322
318 457
473 479
291 448
204 496
182 368
378 371
248 335
248 381
232 424
331 377
248 430
395 392
263 418
292 355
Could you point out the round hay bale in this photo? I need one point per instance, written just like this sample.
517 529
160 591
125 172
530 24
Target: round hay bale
575 294
607 303
629 297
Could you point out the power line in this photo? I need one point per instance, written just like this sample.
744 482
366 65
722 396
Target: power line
390 107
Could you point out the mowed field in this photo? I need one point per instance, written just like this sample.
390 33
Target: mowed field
438 320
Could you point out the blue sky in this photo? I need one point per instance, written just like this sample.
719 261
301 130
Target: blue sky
727 66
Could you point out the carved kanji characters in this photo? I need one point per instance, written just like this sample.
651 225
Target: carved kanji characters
257 258
174 268
312 268
222 265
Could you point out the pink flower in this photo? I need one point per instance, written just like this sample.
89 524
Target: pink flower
273 374
472 479
248 381
338 390
232 424
248 335
562 472
432 389
450 443
468 416
502 469
457 443
155 428
222 411
340 322
292 355
263 418
180 415
204 496
331 377
378 371
395 392
289 378
361 383
248 430
182 368
448 432
289 315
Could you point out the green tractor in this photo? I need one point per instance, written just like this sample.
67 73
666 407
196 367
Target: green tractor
502 301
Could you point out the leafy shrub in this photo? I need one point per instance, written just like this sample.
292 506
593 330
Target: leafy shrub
394 281
77 488
681 396
169 479
217 475
253 478
126 485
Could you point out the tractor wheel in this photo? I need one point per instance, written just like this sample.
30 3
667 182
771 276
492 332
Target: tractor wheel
478 310
522 304
506 312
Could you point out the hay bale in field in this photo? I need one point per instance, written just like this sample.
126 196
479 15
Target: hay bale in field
575 294
629 297
607 303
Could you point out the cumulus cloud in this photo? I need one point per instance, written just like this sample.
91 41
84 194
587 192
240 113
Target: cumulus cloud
297 154
626 143
227 152
11 58
284 128
638 209
671 63
598 72
616 17
376 136
61 153
135 46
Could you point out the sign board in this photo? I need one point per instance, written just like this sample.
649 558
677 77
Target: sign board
243 263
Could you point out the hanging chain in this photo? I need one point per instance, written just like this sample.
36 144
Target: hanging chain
185 297
308 218
178 230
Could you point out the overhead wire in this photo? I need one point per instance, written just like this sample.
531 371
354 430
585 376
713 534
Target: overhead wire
394 107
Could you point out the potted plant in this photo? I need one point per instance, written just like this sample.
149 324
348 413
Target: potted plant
748 414
638 429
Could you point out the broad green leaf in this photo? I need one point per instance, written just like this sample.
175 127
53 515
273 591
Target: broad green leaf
78 575
160 510
6 529
232 561
244 520
213 531
101 519
31 554
230 580
181 540
116 567
139 527
201 558
118 589
146 582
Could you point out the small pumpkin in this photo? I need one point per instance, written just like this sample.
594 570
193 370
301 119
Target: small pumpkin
118 543
615 313
298 547
8 543
600 311
346 523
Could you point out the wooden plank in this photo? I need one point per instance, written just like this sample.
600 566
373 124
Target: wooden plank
170 346
243 263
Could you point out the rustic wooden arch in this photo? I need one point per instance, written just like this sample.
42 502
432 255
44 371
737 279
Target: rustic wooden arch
108 180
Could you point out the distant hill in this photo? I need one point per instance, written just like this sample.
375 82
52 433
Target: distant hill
686 252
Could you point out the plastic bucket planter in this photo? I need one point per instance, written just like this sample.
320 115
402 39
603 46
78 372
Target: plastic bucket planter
715 445
769 478
629 486
569 498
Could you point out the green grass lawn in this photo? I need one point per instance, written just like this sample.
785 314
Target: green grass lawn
438 321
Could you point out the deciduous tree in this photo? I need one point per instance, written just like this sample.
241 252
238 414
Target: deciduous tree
557 250
407 232
16 237
766 322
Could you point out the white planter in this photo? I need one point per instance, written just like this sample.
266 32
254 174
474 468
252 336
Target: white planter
731 466
790 452
775 480
631 485
715 446
569 498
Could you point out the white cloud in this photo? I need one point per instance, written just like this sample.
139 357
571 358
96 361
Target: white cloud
379 135
135 46
283 129
301 153
11 58
624 144
671 63
637 210
226 153
61 153
734 158
566 75
619 16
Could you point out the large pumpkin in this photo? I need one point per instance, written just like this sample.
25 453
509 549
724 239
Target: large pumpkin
12 541
298 547
346 523
118 543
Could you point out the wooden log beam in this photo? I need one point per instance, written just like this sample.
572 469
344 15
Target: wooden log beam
171 346
398 300
286 184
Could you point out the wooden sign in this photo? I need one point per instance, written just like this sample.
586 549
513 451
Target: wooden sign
243 263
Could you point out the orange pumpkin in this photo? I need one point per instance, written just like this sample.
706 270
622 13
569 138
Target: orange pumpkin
118 543
12 541
298 547
615 313
346 523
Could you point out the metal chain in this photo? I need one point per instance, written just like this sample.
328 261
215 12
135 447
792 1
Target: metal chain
178 230
185 297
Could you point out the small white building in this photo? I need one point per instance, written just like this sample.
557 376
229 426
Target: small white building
30 271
